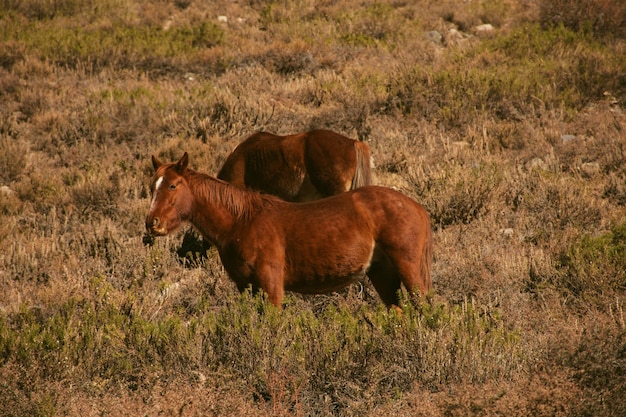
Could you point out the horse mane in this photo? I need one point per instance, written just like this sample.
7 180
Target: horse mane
243 204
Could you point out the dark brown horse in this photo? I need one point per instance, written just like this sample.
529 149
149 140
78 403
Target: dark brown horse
317 247
300 167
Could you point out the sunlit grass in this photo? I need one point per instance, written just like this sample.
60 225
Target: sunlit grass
513 140
249 339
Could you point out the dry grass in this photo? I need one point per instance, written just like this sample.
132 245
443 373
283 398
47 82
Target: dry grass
513 139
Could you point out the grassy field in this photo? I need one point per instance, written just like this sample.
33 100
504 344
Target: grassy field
511 135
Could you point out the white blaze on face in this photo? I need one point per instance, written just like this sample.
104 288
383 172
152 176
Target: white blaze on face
157 184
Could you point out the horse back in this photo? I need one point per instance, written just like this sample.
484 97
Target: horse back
390 211
268 163
253 152
336 163
300 167
370 213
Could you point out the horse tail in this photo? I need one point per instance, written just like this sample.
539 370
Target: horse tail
363 169
426 258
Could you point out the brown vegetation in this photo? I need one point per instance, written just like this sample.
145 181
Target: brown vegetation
511 135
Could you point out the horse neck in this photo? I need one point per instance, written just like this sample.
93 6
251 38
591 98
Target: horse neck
219 206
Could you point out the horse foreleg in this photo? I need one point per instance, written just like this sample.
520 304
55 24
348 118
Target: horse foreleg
272 282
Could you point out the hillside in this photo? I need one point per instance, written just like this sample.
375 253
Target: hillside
504 118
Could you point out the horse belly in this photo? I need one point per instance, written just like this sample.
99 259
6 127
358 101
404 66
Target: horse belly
318 276
323 285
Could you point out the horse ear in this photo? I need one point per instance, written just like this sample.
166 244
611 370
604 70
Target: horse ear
156 163
181 165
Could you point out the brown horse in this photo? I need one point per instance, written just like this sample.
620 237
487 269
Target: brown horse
277 246
300 167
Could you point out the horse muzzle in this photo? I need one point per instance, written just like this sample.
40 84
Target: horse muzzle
155 227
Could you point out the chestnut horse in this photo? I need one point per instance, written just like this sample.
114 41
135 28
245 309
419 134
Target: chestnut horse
300 167
316 247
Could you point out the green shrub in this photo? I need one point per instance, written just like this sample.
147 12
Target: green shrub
478 128
343 352
596 265
529 70
97 197
559 66
12 159
457 195
602 17
118 46
44 10
378 352
598 365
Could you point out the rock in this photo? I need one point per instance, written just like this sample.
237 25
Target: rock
568 138
590 168
198 376
4 190
168 23
486 28
454 37
458 148
435 37
536 163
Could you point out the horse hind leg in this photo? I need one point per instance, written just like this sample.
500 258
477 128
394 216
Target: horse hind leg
386 281
412 263
390 272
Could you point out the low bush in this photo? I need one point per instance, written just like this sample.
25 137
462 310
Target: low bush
457 195
595 265
13 162
356 357
601 17
513 140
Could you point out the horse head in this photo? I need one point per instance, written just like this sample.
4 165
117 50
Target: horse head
171 196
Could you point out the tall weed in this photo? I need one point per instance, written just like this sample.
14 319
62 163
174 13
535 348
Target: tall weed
601 17
513 140
458 194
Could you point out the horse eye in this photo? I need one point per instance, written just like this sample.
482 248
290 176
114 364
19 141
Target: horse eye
172 187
